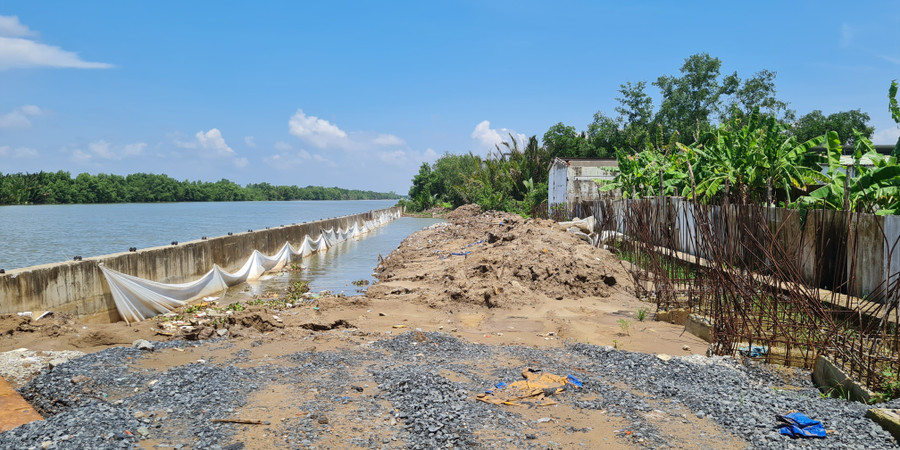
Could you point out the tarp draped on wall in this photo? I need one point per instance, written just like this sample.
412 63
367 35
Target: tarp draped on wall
138 299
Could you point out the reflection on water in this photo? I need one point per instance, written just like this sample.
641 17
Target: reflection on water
346 262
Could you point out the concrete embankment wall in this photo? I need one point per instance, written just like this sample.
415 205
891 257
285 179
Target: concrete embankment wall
79 288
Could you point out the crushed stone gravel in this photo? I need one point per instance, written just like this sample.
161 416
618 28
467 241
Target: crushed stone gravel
396 393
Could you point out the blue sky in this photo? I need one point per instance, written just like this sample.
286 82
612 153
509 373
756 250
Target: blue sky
358 94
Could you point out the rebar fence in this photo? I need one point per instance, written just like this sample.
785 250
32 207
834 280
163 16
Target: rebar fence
780 285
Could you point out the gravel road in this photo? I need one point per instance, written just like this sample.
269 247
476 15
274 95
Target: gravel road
417 390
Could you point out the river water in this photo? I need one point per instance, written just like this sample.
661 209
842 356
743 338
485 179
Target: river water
33 235
42 234
346 262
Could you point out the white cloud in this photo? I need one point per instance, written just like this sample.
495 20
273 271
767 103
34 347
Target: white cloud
10 26
387 140
17 52
212 145
396 157
319 158
80 156
490 137
887 136
281 145
133 149
21 152
18 118
318 132
890 59
20 53
14 119
212 140
101 149
288 159
30 110
430 155
249 141
104 150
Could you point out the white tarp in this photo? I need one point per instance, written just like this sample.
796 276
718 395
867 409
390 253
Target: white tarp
138 299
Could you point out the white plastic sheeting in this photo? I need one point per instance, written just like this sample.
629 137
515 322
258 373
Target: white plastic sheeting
138 299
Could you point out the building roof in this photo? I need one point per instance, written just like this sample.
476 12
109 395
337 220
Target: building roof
587 162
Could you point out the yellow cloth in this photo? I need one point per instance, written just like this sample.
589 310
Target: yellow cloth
535 387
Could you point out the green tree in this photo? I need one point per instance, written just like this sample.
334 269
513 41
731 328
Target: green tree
755 93
843 123
604 135
895 112
562 141
635 116
690 100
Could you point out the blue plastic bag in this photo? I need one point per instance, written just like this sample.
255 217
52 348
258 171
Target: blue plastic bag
800 425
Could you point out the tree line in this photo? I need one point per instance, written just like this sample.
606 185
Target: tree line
61 188
700 108
694 103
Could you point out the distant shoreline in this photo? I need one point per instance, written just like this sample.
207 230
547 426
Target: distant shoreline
60 188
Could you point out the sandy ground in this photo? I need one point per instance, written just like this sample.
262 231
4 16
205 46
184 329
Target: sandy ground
522 282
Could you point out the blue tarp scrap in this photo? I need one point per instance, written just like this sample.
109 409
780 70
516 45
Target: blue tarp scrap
575 381
797 424
755 351
459 253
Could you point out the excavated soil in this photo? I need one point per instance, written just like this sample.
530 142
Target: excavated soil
496 259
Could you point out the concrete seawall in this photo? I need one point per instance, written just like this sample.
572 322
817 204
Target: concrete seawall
79 288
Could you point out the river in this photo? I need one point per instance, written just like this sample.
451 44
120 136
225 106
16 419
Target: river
42 234
33 235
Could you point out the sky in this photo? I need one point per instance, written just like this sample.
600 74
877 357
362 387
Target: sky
359 94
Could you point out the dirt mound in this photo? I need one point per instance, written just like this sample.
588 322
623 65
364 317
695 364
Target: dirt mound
498 259
464 212
259 320
12 324
101 338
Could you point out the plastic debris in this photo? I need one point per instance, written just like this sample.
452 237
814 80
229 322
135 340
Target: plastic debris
533 390
459 253
755 351
799 425
574 381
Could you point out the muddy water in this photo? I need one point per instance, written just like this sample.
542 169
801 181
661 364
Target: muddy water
346 262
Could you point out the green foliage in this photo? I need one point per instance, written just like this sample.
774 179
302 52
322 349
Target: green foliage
296 290
845 123
61 188
895 112
236 307
751 155
890 387
755 158
691 104
868 189
510 179
642 314
624 325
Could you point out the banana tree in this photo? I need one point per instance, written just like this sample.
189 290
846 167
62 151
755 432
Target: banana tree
873 189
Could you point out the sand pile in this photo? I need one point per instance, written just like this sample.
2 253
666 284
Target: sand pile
497 259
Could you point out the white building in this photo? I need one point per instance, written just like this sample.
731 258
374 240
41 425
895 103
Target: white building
576 180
